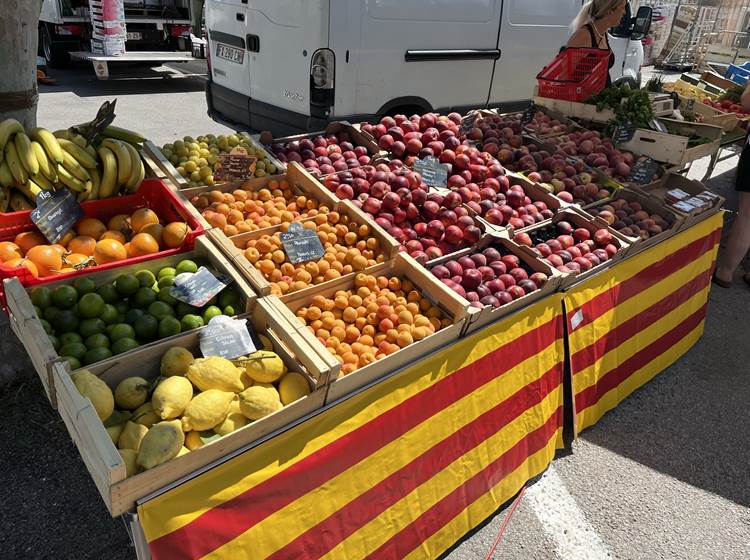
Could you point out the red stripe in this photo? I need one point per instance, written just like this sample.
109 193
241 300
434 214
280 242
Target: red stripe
452 505
322 538
617 336
644 279
591 395
228 520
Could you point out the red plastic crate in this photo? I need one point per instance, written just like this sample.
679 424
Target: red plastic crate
153 194
574 74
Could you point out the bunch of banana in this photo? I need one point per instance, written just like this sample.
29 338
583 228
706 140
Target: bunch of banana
37 159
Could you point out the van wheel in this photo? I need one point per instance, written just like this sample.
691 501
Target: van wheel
54 53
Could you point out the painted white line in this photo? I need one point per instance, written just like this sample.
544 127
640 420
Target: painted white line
563 520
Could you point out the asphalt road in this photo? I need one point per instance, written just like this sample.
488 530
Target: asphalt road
664 476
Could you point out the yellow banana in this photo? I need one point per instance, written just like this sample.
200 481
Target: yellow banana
46 168
62 134
30 190
6 177
91 150
14 163
4 199
8 128
122 154
19 202
96 181
85 194
108 184
78 140
123 134
26 153
83 157
48 142
43 182
75 168
73 183
137 170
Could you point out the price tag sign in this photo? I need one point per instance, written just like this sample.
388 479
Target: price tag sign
56 213
690 106
643 172
467 123
528 115
227 338
434 173
235 167
301 244
623 133
198 289
103 119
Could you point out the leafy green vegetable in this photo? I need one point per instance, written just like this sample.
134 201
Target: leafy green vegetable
629 105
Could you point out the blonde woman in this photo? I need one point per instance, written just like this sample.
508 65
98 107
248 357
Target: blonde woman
592 23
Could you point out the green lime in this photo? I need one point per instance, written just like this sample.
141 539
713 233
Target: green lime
146 278
90 305
74 363
166 271
109 293
166 282
38 311
122 307
190 322
97 341
75 350
124 345
64 297
54 341
211 312
121 330
229 298
183 309
146 327
127 284
91 326
229 311
51 312
69 338
46 326
41 296
84 285
133 315
169 326
159 309
109 329
109 314
96 355
186 266
166 297
65 321
143 298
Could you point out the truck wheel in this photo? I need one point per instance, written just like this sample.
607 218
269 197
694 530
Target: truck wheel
55 53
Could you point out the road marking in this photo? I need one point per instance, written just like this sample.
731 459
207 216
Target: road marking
563 521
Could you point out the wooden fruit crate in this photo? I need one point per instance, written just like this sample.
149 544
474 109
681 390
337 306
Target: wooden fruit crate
726 121
99 453
480 318
673 148
26 324
677 181
582 111
402 266
234 247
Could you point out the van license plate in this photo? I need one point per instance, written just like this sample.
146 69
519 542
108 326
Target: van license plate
134 36
231 54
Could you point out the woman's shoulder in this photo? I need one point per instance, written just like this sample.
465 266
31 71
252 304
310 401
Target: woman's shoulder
581 38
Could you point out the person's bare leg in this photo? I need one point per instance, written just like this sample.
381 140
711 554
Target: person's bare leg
738 241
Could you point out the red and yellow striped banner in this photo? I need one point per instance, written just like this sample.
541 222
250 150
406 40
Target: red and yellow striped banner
630 323
401 470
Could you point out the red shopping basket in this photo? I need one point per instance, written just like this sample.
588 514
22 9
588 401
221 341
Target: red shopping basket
575 74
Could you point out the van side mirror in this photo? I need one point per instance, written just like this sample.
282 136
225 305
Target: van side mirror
642 23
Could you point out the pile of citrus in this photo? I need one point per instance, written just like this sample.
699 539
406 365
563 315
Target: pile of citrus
377 317
245 210
349 247
91 243
87 323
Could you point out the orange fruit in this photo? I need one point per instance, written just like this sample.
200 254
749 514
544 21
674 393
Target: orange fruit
9 250
109 250
142 217
91 227
29 239
60 249
75 259
47 260
143 244
82 244
119 223
25 263
174 234
114 234
154 230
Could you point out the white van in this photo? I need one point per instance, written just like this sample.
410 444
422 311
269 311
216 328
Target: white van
294 65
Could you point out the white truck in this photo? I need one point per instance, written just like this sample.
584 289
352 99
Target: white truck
157 31
293 65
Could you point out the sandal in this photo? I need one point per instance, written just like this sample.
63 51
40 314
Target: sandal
723 283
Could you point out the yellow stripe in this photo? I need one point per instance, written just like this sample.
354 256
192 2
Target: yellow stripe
180 506
286 524
482 508
372 535
591 415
